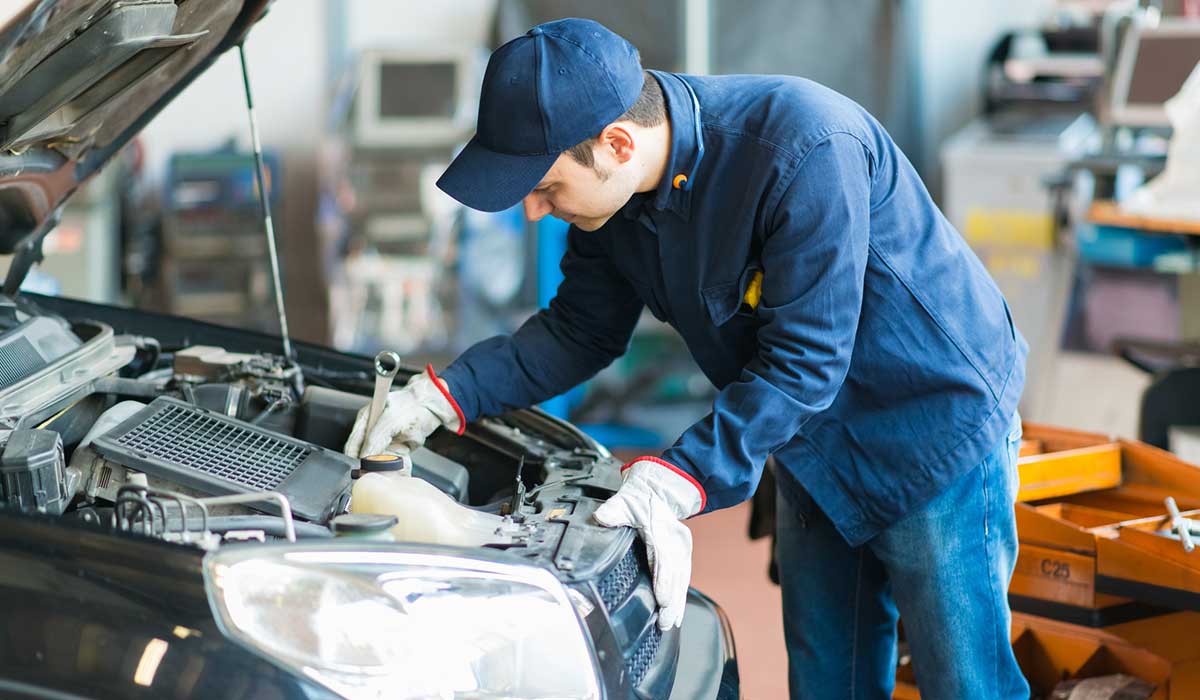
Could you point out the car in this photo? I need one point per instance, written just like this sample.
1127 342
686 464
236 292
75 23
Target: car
176 509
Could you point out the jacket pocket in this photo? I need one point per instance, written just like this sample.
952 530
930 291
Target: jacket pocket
726 300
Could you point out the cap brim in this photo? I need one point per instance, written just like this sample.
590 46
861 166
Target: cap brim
486 180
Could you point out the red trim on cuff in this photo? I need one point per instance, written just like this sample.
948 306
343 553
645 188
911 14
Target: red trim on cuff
662 462
462 420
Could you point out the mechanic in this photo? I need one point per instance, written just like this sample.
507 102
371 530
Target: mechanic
849 329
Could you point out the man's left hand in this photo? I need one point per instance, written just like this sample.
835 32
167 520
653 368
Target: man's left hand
654 497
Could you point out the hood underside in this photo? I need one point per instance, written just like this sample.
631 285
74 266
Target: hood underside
78 79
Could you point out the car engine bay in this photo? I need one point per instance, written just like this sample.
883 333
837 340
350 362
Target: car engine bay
150 429
200 445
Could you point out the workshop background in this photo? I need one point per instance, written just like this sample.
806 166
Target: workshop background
1036 124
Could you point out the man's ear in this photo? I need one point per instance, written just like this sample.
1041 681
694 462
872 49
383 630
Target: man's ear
616 139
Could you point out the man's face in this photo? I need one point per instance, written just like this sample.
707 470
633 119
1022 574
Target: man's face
580 195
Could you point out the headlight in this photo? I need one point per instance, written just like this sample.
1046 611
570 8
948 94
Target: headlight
378 623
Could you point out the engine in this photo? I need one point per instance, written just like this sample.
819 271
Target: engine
195 444
204 447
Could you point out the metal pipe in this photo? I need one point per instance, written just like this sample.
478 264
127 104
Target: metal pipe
265 202
183 499
285 508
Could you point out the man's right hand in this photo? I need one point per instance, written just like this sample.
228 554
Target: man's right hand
408 417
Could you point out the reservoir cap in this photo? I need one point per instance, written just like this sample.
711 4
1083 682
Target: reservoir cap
362 523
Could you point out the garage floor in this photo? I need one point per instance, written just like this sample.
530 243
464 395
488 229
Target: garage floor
732 570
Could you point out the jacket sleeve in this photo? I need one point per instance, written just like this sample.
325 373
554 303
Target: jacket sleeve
814 260
587 325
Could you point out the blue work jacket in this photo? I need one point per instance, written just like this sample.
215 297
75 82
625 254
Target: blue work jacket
848 327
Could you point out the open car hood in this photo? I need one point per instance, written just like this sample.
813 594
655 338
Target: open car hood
78 79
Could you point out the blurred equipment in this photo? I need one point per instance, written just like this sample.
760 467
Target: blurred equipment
1033 76
1130 238
1154 62
388 300
498 279
400 115
1172 194
414 97
214 253
1168 413
1073 115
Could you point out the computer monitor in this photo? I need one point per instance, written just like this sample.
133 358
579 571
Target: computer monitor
1153 64
417 97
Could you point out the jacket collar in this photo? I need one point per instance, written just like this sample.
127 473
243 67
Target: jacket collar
674 192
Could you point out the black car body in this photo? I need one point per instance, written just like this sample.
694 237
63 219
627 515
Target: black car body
107 588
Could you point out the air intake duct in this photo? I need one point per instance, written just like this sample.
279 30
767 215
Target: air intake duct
217 455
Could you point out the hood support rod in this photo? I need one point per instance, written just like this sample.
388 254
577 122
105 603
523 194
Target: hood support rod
265 200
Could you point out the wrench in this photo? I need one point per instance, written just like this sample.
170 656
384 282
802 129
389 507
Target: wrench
387 363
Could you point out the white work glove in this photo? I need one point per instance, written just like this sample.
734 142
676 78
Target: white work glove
408 417
654 498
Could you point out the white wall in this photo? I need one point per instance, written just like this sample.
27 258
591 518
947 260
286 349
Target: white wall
286 55
382 22
954 39
293 53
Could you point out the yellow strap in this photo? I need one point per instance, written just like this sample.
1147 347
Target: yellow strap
754 291
56 416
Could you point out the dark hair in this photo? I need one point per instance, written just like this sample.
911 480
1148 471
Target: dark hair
649 109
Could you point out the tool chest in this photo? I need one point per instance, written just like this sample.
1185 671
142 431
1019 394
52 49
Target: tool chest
1097 546
1103 583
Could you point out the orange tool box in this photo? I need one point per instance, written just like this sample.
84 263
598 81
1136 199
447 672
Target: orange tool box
1161 651
1096 543
1101 578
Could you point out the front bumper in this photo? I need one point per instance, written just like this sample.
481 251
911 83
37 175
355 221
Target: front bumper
708 668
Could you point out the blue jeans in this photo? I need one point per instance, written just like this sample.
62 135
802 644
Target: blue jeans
944 569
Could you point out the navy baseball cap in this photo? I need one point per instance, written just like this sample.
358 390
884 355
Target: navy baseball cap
550 89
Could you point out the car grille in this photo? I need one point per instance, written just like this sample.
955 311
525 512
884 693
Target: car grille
620 581
638 663
614 588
